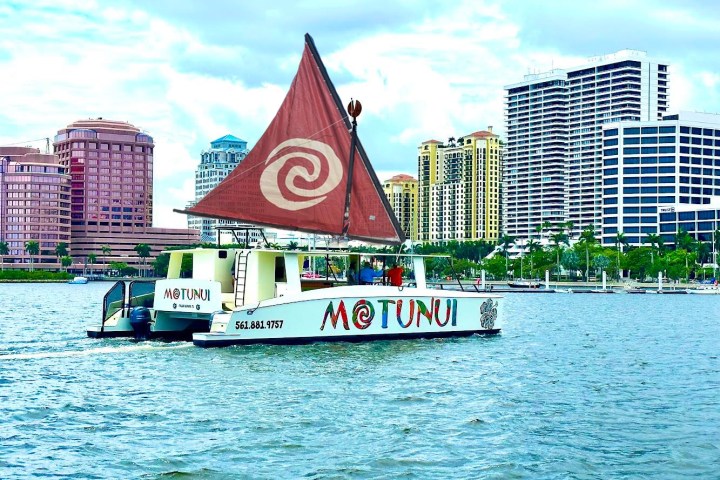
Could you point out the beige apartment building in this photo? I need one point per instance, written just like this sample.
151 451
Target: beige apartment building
459 188
402 193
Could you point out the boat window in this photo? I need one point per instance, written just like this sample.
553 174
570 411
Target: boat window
335 267
186 269
113 300
142 293
280 274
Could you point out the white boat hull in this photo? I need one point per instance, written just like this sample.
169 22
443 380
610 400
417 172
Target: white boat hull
355 314
705 291
165 326
176 308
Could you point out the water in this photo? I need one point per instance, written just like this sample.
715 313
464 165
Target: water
577 386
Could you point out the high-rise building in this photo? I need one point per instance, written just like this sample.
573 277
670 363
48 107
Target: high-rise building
428 156
669 167
216 163
459 188
111 168
553 155
402 193
34 206
700 221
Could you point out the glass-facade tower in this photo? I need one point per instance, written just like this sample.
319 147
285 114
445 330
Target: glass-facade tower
553 157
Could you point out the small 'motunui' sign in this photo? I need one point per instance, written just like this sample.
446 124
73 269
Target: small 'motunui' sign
198 296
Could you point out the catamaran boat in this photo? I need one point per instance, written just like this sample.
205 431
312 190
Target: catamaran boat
308 172
271 301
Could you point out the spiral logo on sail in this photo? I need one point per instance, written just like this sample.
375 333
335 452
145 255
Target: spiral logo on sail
318 154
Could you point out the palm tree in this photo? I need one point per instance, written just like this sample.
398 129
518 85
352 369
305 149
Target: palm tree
106 250
683 240
656 243
4 250
91 258
32 247
587 237
716 248
66 261
620 240
143 251
505 241
61 249
532 247
702 251
558 239
542 227
569 225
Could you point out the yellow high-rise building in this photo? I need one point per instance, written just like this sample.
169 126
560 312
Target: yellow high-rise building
459 188
402 193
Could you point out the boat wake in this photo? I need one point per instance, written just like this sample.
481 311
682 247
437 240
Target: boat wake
92 351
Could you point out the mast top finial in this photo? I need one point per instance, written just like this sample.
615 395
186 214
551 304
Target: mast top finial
354 108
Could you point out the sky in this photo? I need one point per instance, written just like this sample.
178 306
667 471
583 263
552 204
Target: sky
188 72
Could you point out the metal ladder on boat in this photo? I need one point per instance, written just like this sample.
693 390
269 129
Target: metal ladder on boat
240 277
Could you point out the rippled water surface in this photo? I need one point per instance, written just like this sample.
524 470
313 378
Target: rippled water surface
577 386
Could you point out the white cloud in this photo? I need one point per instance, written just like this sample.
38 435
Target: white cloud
125 73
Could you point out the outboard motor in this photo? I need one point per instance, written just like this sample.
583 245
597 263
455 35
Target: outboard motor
140 322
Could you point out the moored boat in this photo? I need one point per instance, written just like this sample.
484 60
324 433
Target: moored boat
524 284
78 280
633 290
672 292
705 290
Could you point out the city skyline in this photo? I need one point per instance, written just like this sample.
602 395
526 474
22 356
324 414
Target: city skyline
189 74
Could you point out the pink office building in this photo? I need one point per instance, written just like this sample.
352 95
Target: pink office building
111 171
34 206
110 164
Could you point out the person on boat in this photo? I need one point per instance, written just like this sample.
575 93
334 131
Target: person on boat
395 275
352 274
367 274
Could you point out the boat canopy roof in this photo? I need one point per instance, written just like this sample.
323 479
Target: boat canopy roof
322 253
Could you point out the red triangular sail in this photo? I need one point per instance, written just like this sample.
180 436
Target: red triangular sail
295 178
